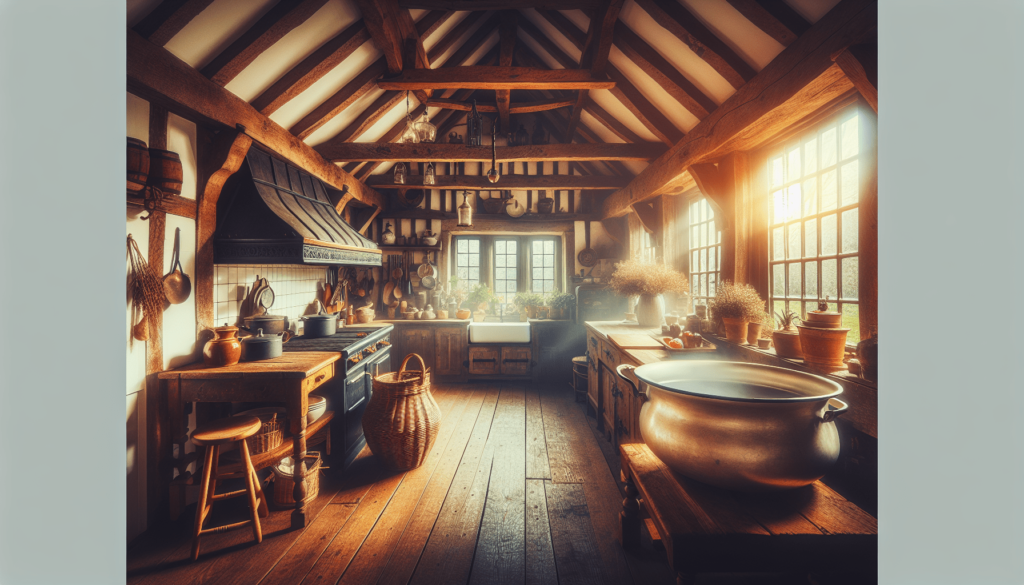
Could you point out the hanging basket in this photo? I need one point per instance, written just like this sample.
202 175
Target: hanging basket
402 419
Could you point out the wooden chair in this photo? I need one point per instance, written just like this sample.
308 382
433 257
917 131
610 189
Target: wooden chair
212 436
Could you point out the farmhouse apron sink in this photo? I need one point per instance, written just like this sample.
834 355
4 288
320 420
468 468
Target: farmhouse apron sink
499 333
741 426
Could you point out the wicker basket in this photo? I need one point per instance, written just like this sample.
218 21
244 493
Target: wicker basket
270 435
402 419
284 484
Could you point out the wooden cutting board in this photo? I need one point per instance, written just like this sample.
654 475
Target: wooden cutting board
633 341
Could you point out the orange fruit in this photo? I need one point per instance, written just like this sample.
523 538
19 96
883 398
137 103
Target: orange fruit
676 344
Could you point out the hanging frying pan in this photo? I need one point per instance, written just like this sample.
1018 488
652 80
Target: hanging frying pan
587 257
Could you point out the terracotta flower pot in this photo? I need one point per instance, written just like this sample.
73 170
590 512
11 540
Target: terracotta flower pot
753 332
787 344
823 348
479 316
531 312
463 314
824 319
735 330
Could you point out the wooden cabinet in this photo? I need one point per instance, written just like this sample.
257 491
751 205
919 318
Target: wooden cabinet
418 340
515 361
593 377
449 350
484 360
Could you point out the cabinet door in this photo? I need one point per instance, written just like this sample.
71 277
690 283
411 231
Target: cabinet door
484 361
515 361
606 408
418 341
449 350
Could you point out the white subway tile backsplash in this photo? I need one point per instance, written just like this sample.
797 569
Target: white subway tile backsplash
295 289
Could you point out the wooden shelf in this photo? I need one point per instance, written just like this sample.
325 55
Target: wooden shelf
286 448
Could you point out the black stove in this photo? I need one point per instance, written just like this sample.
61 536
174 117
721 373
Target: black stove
365 354
355 345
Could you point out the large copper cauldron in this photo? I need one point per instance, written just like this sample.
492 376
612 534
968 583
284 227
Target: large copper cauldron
738 425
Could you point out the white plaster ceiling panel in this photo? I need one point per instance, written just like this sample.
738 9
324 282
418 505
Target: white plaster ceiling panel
695 69
598 128
215 28
342 120
386 122
485 46
552 33
652 90
635 166
527 40
753 45
443 57
436 36
812 10
623 114
332 18
139 9
328 85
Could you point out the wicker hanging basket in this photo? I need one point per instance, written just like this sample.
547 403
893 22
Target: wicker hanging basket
402 419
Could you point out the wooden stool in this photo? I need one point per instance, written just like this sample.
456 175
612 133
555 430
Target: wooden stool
579 377
212 436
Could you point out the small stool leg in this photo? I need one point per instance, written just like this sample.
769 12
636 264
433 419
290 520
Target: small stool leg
250 484
213 473
629 517
201 505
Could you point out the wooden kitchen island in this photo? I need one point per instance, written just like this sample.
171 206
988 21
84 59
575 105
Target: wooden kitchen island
287 379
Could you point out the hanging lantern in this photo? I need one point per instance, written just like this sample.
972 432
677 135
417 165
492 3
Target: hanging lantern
474 130
426 131
493 175
539 136
428 174
400 173
465 211
409 135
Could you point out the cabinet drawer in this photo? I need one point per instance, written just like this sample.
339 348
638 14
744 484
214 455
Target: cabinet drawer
484 360
515 361
319 378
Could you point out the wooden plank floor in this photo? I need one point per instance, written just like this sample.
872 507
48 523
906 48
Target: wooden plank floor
516 489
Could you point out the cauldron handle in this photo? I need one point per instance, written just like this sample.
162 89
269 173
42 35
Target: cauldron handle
636 391
831 415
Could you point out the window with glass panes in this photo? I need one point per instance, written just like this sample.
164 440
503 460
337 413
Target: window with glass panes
467 260
814 185
705 251
542 263
506 268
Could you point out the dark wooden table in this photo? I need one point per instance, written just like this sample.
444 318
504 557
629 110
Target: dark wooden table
707 530
287 379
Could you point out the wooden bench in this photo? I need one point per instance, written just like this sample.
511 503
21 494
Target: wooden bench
710 530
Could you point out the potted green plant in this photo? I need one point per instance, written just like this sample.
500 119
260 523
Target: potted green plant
735 306
528 302
479 297
787 338
647 281
561 305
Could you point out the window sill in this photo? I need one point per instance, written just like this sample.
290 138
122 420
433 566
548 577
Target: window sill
768 356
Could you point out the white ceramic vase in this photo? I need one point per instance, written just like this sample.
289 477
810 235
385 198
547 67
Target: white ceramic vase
650 311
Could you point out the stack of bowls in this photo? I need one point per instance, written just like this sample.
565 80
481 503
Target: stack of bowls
317 407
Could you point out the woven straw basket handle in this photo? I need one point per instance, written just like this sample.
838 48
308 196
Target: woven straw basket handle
423 367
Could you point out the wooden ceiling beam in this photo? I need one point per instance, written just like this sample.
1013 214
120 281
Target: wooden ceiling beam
516 108
507 44
498 4
168 18
284 17
440 152
648 114
385 33
799 80
312 68
514 182
155 74
494 77
664 73
340 101
860 64
691 31
774 17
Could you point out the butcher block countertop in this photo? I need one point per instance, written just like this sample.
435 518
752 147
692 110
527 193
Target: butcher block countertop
298 364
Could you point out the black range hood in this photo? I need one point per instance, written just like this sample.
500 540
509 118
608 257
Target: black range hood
272 212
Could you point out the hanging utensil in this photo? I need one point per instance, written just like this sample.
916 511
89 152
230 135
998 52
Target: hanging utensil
177 286
587 257
408 278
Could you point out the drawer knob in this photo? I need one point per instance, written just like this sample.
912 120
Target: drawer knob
319 378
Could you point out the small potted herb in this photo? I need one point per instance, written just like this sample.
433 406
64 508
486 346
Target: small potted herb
561 305
479 297
736 306
787 338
